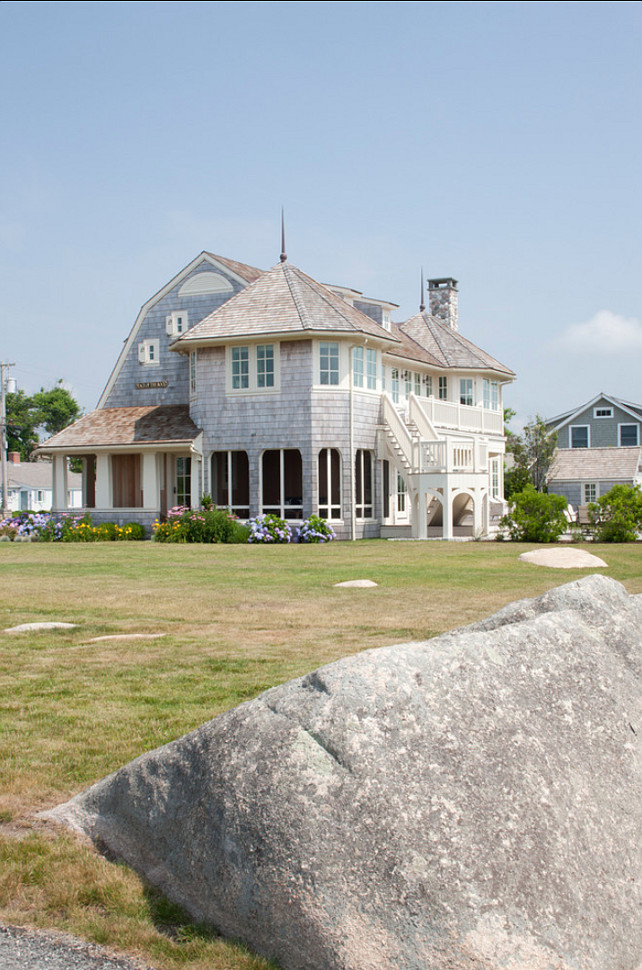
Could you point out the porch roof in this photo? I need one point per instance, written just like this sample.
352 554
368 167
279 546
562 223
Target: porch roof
596 464
121 427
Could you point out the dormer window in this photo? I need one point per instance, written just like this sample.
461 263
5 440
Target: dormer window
386 319
176 323
149 352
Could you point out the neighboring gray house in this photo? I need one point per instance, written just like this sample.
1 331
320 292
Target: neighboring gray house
599 445
275 393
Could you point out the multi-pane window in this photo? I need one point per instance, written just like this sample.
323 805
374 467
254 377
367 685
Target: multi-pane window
580 436
491 395
183 481
363 484
466 391
371 369
602 412
428 384
240 368
494 478
192 372
401 494
407 380
265 365
282 483
628 435
443 388
357 366
231 481
329 363
417 378
149 352
176 323
329 483
590 492
394 377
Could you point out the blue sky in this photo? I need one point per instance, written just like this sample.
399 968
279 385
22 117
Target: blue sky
499 143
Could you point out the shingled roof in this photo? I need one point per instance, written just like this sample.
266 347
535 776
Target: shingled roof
284 300
596 464
448 347
114 427
249 273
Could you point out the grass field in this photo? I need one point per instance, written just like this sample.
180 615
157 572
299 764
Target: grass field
236 619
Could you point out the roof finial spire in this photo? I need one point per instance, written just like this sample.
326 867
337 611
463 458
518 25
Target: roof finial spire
422 305
284 255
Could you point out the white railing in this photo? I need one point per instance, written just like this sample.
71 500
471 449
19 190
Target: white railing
453 455
461 417
395 423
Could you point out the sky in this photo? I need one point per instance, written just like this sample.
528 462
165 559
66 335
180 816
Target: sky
498 143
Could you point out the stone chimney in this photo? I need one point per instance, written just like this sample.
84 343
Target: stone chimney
442 301
14 457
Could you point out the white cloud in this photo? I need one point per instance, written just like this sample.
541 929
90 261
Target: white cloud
606 333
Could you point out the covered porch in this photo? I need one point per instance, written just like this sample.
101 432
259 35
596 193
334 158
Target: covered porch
137 463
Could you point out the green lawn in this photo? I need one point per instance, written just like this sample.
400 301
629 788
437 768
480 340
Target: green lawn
236 619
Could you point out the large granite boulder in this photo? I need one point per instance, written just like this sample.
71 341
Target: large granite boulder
472 802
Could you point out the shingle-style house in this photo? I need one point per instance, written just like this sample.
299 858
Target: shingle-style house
29 485
275 393
599 445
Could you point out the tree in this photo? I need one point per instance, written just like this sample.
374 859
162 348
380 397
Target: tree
533 453
617 515
49 411
535 516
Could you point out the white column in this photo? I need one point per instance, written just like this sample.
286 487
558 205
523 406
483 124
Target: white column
59 497
478 523
195 482
151 497
103 482
447 513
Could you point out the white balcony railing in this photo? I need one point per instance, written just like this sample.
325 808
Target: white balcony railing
461 417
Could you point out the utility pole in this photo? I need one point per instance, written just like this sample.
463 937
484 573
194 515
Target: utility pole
3 437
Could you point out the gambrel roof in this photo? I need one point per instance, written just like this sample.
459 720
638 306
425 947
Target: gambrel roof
286 301
447 346
595 464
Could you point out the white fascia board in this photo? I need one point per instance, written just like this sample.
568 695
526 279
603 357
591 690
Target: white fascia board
186 343
146 307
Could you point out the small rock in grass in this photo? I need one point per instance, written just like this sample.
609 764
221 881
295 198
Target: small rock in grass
27 627
358 583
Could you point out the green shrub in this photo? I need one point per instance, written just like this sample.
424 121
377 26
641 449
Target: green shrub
535 516
617 516
200 525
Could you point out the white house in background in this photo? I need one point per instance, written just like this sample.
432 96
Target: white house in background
29 485
275 393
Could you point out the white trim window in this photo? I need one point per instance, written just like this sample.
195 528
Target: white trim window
176 323
282 483
579 436
329 363
466 391
407 383
417 383
357 366
402 495
371 369
491 395
495 480
428 384
230 477
363 484
443 388
192 372
394 380
589 492
253 368
149 352
603 412
628 435
329 483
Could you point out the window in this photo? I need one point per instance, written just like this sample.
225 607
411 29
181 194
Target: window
231 481
628 435
357 366
590 492
363 484
184 481
192 372
253 368
176 323
282 483
466 391
428 385
407 382
401 494
383 378
371 369
395 384
329 363
494 478
149 352
265 365
491 395
580 436
602 412
417 382
385 489
443 388
329 483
